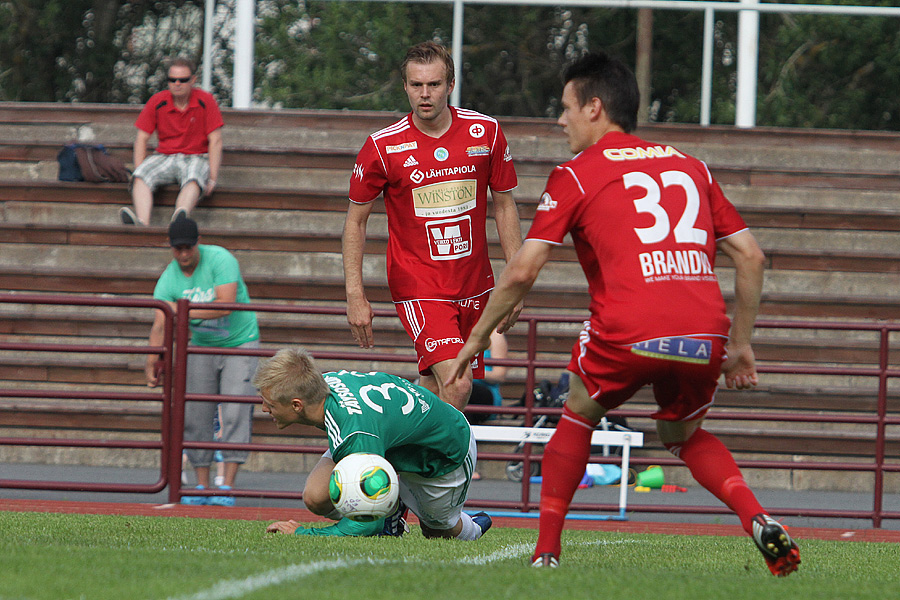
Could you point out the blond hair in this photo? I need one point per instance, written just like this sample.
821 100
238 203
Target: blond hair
291 373
427 53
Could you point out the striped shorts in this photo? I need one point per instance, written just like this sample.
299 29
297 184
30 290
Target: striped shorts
162 169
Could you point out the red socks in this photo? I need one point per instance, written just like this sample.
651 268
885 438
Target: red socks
713 466
563 466
567 453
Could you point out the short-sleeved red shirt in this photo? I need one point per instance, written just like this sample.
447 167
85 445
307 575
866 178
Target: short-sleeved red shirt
181 132
435 195
644 219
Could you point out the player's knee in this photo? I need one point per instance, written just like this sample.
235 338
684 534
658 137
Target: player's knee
426 532
458 393
192 186
429 533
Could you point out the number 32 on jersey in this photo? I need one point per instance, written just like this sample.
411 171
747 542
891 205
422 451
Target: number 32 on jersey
685 230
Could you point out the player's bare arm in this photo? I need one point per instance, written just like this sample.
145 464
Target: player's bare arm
140 147
740 367
215 159
509 229
515 281
157 333
353 242
225 294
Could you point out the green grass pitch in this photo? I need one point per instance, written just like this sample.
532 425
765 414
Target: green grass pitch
55 557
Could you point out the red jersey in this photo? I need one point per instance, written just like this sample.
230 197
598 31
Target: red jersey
435 196
644 219
181 132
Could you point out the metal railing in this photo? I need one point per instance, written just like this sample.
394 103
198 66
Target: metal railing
172 396
164 396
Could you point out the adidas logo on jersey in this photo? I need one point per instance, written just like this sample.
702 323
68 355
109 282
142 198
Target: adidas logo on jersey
411 161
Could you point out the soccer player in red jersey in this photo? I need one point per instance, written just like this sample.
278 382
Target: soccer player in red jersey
646 221
434 168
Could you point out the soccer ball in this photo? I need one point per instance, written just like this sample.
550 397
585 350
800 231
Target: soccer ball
364 487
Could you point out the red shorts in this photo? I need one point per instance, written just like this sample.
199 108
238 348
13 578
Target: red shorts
684 372
439 329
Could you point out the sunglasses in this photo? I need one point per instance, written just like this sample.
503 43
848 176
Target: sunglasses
179 79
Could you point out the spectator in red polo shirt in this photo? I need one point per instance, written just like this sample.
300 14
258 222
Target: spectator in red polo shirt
188 125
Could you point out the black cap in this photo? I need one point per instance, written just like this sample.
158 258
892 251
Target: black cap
183 231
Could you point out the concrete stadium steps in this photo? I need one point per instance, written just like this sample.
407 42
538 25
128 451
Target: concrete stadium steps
115 370
825 396
822 296
83 372
130 326
124 420
84 376
87 378
262 145
788 293
748 439
824 205
782 208
876 251
837 441
109 124
278 210
328 169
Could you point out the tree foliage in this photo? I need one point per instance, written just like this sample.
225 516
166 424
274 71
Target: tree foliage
814 70
514 55
340 54
35 47
830 71
92 50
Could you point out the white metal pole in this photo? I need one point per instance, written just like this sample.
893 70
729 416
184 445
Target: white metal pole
244 26
206 77
709 33
747 59
457 50
623 482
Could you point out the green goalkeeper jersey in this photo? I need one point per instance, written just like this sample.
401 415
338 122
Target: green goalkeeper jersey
387 415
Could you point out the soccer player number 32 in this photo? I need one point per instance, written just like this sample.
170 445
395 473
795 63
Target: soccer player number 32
685 232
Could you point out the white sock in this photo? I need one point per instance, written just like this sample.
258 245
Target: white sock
470 529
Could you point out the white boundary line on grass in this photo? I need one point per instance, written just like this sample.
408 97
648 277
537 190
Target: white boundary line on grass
236 588
228 589
503 553
602 542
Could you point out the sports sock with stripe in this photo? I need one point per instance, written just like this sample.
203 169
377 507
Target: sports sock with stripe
470 529
713 466
563 467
